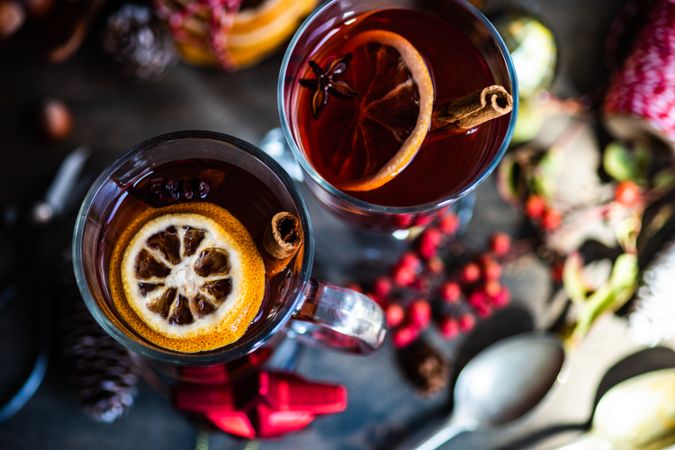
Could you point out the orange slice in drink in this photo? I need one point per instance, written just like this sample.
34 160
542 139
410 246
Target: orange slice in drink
393 117
187 277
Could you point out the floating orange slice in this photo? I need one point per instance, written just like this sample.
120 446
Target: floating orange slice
394 114
187 277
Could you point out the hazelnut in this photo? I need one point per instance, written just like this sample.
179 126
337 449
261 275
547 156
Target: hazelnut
12 17
56 120
38 8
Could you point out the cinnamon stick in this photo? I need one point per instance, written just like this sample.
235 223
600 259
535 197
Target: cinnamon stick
281 241
472 110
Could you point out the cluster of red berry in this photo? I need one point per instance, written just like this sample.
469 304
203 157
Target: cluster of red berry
421 291
548 218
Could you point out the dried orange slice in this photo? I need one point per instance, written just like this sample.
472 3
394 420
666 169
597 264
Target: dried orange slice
252 33
394 115
188 277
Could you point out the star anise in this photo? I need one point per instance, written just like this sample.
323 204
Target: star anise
326 83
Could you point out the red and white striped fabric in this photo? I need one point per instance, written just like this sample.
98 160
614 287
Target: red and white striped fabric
641 98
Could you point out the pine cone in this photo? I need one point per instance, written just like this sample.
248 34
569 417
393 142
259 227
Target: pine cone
425 367
102 370
138 42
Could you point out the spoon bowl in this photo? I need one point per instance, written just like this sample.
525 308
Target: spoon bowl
501 384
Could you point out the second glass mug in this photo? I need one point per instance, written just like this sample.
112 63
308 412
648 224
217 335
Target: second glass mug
319 28
313 310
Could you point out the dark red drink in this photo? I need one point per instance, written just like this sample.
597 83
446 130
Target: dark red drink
446 163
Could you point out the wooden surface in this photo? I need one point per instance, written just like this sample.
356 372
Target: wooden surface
112 114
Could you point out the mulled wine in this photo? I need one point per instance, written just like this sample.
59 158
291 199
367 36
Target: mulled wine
340 144
184 251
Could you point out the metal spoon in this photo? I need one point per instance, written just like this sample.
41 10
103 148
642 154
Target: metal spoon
638 413
501 384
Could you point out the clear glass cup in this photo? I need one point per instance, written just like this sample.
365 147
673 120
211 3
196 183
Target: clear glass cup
316 29
312 310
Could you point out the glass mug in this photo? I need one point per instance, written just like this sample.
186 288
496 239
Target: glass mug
312 310
316 31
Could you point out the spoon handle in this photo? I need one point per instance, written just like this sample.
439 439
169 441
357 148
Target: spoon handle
433 436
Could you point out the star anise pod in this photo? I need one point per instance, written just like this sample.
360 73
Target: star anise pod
326 83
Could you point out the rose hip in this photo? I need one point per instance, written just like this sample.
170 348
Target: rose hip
501 298
500 243
382 287
449 224
403 276
419 313
471 272
535 206
492 288
449 327
551 219
394 314
466 322
491 269
451 292
627 193
436 265
404 336
410 261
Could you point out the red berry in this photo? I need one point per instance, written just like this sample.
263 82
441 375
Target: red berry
419 313
492 288
483 311
382 286
627 193
478 298
423 221
451 292
403 276
502 298
436 265
403 221
535 206
551 220
404 336
449 224
410 261
500 243
491 269
395 315
466 322
427 251
449 327
471 272
431 236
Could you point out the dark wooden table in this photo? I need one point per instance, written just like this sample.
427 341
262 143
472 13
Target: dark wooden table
112 114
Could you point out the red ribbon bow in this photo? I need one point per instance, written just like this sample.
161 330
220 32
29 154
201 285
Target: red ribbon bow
264 404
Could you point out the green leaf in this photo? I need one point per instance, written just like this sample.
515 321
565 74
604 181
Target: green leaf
643 159
611 296
544 173
573 280
619 162
509 183
664 179
625 272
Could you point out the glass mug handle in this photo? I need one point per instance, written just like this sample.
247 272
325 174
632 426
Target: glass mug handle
340 318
